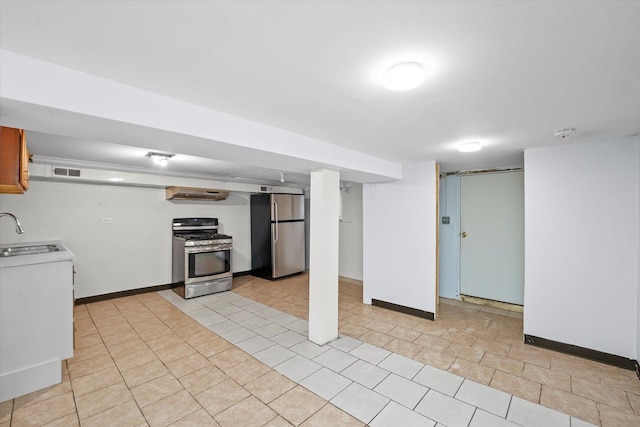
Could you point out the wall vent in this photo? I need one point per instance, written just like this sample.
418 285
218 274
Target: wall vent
66 172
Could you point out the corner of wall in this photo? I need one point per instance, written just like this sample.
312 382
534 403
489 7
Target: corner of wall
408 207
581 182
638 253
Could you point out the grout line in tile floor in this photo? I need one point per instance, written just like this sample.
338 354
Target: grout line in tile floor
142 361
479 342
421 394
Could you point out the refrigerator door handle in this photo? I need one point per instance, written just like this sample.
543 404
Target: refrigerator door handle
275 210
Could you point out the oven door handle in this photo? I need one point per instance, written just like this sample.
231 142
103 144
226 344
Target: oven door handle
200 249
275 210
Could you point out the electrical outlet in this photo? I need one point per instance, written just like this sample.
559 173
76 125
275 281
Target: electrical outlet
107 220
446 220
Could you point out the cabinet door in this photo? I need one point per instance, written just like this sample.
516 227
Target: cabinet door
24 161
14 161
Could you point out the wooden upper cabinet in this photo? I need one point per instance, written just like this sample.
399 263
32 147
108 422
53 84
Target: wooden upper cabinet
14 161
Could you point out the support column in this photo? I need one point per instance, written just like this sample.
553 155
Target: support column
323 256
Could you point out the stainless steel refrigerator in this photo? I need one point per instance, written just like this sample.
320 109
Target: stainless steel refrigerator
277 235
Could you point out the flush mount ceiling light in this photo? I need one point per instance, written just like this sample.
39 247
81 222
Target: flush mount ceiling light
470 147
404 76
160 158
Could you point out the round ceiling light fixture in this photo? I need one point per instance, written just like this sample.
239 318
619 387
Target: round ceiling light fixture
404 76
470 147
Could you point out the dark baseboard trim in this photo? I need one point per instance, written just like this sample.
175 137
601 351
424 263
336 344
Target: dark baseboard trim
586 353
138 291
402 309
266 274
127 293
242 273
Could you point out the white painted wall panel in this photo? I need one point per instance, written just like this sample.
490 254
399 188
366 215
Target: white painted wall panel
399 227
581 247
134 251
351 233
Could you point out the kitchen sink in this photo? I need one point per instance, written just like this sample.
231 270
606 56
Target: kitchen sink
29 250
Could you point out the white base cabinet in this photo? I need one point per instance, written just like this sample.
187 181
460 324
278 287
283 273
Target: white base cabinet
36 322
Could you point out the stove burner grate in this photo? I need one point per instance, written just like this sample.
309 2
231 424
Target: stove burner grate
201 236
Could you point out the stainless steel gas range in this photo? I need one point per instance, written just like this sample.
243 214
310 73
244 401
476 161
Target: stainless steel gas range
201 258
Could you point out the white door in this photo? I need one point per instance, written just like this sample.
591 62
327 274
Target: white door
492 236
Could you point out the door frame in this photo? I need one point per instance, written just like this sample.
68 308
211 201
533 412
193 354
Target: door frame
457 212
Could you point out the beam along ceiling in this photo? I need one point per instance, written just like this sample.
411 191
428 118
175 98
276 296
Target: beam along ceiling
503 73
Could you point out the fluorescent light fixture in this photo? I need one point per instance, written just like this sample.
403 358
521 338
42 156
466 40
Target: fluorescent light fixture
404 76
470 147
117 179
160 158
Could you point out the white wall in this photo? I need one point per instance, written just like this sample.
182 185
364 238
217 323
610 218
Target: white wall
450 237
132 252
581 247
350 256
399 228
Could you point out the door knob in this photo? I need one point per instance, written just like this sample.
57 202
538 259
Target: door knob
464 234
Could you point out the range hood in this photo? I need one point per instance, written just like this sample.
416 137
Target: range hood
191 193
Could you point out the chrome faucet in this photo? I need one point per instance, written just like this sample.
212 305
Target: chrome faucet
19 228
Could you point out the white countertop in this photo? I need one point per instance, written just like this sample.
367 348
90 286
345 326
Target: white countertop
20 260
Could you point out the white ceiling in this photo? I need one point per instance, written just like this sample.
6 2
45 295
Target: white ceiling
506 73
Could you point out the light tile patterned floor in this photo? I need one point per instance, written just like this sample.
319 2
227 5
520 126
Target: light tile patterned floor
479 343
236 361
